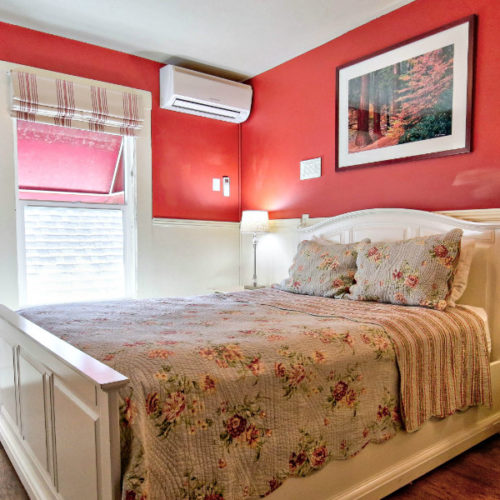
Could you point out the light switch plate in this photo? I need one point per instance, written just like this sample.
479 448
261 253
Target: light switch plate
310 169
216 184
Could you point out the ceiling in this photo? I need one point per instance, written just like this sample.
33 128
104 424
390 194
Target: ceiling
233 38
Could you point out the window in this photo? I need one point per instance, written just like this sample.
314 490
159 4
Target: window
75 214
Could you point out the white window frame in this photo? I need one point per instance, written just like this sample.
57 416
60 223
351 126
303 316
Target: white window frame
129 219
146 249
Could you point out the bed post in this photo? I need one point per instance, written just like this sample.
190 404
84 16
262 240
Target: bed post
59 414
108 448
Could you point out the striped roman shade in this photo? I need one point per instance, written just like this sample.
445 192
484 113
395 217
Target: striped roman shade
65 103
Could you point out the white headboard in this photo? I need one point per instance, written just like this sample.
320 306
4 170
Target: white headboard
391 224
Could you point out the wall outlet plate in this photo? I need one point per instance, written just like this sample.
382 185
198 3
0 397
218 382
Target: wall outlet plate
310 169
216 184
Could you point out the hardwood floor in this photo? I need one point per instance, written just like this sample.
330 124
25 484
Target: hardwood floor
474 475
10 486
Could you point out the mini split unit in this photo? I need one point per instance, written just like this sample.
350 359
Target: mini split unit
196 93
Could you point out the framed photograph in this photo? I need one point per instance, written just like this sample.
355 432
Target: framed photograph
410 101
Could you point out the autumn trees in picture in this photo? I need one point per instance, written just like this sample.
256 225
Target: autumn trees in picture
408 101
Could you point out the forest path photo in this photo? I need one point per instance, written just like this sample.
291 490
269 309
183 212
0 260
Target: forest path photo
406 102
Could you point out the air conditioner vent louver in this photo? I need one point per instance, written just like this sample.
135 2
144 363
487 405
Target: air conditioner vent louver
208 109
196 93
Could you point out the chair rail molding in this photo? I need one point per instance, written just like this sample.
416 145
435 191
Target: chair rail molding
195 223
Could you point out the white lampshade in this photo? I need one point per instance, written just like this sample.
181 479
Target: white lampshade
254 221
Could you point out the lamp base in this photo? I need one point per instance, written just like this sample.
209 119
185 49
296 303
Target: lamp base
252 287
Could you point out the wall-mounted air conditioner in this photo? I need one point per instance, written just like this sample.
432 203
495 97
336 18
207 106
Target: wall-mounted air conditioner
196 93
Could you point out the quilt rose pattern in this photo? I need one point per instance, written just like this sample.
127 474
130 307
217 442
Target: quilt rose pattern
231 394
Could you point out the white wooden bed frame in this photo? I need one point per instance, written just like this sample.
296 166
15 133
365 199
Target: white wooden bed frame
59 418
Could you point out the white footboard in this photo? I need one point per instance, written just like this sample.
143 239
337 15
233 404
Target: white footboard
59 420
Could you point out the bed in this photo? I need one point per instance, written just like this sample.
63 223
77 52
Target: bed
62 409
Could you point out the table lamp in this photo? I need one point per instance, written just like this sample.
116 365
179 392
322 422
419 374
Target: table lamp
254 221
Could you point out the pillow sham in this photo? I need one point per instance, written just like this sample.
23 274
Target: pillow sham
418 271
322 268
467 249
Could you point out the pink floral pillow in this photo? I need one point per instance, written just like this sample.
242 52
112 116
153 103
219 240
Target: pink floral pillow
322 268
417 272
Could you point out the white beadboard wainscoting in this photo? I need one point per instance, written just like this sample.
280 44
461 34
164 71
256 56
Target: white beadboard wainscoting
192 257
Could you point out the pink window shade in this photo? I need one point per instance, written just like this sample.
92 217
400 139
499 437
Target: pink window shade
62 164
68 104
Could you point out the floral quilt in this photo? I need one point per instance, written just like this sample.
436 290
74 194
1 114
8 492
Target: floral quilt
231 394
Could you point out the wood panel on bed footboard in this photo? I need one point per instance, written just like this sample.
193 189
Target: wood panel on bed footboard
58 414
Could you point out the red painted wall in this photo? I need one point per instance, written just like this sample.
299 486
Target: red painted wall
293 119
187 150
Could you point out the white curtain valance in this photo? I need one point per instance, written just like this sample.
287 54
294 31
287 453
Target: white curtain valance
68 104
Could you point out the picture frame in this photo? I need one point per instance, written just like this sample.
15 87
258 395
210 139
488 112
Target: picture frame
410 101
